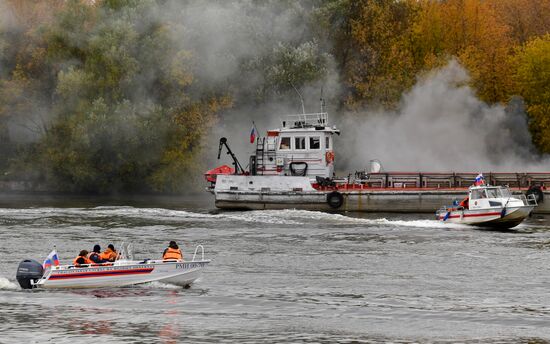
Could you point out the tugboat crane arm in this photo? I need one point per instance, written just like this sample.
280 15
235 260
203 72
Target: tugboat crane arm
238 167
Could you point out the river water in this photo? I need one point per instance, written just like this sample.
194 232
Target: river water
282 276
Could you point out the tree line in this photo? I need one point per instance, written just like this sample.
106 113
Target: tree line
116 95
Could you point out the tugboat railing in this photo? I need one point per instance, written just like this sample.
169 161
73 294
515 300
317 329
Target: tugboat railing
305 120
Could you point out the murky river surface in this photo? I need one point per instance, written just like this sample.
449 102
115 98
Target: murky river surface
280 276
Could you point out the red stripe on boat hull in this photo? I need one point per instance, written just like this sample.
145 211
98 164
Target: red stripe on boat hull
475 215
101 274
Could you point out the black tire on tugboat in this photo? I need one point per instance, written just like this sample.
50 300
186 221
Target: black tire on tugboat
335 199
536 190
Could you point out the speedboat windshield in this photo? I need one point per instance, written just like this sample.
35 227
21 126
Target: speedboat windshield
504 192
493 193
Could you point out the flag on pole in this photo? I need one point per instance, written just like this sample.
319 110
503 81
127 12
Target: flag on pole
52 259
253 133
479 180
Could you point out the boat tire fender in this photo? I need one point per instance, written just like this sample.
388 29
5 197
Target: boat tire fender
536 190
335 199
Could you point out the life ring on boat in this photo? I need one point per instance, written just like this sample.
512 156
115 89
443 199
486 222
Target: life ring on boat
537 192
329 157
335 199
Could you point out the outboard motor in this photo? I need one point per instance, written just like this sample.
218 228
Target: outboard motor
29 270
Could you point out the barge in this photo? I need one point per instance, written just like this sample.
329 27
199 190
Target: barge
293 168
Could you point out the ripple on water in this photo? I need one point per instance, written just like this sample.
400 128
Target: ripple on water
285 276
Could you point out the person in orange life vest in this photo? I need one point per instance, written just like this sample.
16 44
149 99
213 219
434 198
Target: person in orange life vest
82 259
94 256
110 254
465 203
172 252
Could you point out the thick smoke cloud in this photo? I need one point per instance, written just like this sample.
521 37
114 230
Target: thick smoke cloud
237 44
441 125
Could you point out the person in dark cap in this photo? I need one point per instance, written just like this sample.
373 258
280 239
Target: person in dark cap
172 252
95 255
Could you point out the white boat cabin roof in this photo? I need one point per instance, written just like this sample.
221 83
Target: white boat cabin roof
309 122
489 191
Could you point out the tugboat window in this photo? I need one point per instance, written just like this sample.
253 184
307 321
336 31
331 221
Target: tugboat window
314 142
285 143
299 143
327 142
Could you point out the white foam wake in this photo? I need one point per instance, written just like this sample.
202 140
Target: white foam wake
279 217
7 284
292 216
160 285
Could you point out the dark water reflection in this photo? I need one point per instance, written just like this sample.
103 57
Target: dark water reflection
280 277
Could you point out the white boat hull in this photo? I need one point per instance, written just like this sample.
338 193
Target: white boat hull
493 217
123 274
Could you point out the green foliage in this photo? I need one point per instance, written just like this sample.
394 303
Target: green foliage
290 66
118 99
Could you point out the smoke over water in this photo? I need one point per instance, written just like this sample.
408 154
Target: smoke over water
243 49
440 125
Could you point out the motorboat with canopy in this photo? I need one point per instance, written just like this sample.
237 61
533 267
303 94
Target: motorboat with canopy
489 206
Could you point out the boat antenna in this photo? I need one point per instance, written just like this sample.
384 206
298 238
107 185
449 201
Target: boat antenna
299 95
322 101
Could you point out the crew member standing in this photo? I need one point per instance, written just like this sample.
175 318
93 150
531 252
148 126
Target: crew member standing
172 252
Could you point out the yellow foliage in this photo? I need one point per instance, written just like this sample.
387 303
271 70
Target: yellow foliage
532 78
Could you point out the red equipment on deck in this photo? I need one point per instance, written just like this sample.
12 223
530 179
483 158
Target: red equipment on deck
211 175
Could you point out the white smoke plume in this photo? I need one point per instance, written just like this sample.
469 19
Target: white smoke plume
440 125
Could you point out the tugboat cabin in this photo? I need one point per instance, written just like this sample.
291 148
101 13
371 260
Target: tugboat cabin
301 147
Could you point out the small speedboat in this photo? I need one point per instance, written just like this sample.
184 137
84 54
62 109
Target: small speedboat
122 272
489 206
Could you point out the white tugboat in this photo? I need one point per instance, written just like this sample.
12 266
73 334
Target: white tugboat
489 206
293 167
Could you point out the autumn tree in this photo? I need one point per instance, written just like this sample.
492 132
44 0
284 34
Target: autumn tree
533 84
380 69
471 31
525 18
26 83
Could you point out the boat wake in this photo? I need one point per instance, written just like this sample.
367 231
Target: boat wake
7 284
293 217
277 217
159 285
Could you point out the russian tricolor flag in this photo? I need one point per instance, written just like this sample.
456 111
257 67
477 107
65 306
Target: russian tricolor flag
52 259
253 134
479 180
